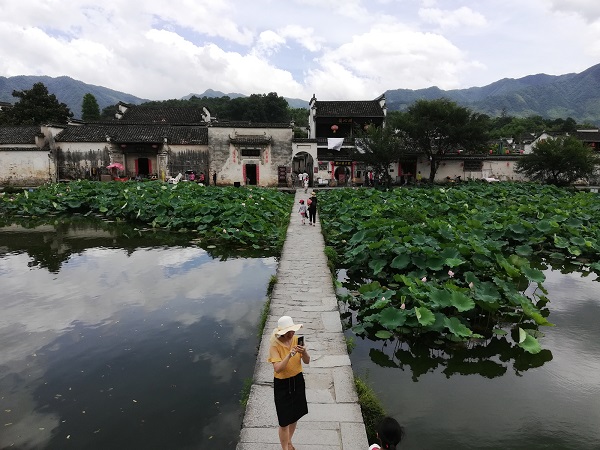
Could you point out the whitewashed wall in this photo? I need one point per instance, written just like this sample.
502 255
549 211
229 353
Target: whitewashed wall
25 167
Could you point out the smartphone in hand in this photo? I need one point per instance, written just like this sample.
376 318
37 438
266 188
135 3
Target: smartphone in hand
301 340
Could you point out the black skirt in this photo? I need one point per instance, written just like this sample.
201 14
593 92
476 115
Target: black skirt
290 399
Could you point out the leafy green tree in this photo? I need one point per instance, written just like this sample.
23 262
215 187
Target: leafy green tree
35 107
90 111
559 161
379 147
439 127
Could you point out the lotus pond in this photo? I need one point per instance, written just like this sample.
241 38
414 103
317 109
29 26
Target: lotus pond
473 310
124 338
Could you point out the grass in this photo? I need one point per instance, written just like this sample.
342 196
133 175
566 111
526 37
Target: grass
370 406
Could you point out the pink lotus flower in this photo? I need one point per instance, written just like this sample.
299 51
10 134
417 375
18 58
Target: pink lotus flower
402 306
450 274
424 279
471 285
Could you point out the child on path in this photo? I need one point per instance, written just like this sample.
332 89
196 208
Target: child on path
306 184
302 211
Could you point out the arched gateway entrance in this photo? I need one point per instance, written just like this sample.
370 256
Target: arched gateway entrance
302 162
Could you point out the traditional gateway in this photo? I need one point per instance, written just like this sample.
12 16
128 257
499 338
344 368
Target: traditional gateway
164 142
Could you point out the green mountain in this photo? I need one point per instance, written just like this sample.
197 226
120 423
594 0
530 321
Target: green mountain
67 90
571 95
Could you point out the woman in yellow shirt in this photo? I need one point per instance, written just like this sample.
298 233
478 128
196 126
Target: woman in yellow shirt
290 392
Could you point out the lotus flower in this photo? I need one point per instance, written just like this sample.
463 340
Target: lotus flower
450 274
424 279
402 306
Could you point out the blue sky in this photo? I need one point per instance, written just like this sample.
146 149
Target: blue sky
337 50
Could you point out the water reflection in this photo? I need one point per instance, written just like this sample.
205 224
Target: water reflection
495 395
107 345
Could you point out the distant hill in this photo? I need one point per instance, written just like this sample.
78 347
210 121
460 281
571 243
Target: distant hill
562 96
67 90
293 102
550 96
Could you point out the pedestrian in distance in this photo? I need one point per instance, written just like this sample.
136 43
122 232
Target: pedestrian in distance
312 208
215 178
287 353
302 211
389 434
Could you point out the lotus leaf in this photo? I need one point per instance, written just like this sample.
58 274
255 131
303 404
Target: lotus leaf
456 327
424 316
392 318
461 302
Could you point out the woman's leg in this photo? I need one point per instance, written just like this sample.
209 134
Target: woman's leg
284 436
292 428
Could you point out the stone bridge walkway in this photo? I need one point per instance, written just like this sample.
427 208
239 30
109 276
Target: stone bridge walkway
304 291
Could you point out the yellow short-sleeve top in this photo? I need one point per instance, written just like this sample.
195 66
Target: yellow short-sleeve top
278 352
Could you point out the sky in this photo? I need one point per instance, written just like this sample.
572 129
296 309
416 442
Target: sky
336 50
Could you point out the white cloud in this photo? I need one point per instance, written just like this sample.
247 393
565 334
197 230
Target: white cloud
304 36
589 10
462 17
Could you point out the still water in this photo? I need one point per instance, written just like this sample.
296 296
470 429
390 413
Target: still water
117 339
493 397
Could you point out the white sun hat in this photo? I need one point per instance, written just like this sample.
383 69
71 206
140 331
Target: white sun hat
285 324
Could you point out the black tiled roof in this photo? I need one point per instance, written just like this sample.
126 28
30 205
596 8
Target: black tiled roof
251 140
128 133
588 136
23 149
19 135
136 114
367 108
241 124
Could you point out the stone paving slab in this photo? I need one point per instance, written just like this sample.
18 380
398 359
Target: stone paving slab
304 290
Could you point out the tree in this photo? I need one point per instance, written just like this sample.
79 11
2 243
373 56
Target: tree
35 107
379 147
559 161
439 127
90 111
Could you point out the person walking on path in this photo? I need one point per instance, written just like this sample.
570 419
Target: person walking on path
215 177
312 208
289 389
302 211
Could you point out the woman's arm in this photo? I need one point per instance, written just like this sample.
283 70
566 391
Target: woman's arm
281 365
304 353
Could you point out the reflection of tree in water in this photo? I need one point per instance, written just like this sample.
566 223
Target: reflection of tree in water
490 358
51 241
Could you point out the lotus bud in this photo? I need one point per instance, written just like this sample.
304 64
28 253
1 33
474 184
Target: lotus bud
424 279
471 285
402 306
450 274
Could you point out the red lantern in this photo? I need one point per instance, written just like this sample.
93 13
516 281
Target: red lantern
491 151
334 128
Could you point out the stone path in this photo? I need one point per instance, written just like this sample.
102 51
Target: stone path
304 291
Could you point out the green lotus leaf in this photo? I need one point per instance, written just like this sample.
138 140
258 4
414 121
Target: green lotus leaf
358 237
595 266
401 261
424 316
573 222
440 297
533 274
543 226
523 250
576 251
345 227
384 334
499 332
579 241
456 327
454 262
530 345
435 263
487 292
449 252
517 228
419 239
522 335
560 242
556 255
392 318
461 302
377 265
511 270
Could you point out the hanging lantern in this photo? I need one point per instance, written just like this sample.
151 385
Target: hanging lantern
334 127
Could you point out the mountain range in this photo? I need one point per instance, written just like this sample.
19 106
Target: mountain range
575 95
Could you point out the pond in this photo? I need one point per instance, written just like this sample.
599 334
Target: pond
119 338
495 396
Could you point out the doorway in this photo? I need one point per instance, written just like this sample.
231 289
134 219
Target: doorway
251 174
143 166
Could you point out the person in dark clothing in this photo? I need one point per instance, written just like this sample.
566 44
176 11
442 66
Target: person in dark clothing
215 178
312 208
